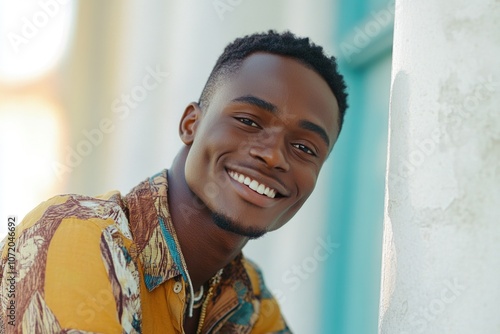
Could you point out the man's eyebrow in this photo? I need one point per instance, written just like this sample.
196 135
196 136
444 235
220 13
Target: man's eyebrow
306 125
263 104
258 102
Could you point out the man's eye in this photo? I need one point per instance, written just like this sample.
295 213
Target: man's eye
247 121
305 149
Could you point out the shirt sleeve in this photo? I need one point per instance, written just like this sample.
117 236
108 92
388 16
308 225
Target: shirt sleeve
71 271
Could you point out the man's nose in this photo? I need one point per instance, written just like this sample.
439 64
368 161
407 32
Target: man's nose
272 151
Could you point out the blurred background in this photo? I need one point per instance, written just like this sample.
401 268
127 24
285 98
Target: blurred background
91 93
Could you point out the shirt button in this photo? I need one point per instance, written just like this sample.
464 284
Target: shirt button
177 287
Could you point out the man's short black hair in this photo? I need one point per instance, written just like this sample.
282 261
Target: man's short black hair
285 44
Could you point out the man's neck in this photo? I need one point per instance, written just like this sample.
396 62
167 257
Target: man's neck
205 246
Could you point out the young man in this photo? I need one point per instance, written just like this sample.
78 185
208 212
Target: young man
166 258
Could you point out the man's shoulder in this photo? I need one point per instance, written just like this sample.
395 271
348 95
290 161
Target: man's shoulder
79 210
77 206
72 217
75 244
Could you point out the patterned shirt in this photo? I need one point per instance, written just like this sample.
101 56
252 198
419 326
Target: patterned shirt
112 264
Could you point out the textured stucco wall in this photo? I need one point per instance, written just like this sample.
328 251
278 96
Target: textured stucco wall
441 269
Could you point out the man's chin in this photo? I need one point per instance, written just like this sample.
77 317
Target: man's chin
232 226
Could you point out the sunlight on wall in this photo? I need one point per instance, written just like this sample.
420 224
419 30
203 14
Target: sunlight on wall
29 137
35 35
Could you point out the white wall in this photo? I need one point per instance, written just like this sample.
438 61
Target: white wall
441 248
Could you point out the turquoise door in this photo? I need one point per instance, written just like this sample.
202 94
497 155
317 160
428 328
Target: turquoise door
352 277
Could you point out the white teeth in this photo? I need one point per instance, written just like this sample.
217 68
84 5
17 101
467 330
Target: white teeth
253 184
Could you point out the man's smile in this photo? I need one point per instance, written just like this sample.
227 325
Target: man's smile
260 188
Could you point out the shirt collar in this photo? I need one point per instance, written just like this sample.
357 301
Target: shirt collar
157 246
156 241
153 232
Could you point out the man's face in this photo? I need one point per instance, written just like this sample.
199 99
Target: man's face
257 150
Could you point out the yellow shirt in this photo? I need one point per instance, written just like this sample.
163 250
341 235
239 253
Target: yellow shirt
112 264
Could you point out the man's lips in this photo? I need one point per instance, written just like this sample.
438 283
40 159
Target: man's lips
253 184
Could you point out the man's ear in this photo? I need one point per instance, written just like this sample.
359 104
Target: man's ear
189 123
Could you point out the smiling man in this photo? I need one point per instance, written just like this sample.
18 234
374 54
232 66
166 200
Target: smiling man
166 258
